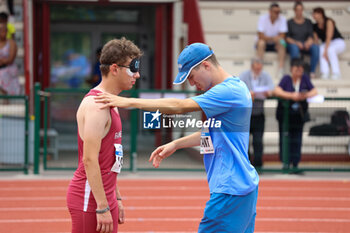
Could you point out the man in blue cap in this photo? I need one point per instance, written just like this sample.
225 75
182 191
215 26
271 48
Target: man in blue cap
233 181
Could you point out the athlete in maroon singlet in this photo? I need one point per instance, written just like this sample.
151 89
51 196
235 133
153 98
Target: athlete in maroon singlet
93 197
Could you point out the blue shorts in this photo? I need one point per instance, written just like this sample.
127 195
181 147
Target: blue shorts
228 213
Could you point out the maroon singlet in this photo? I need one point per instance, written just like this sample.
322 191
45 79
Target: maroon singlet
79 195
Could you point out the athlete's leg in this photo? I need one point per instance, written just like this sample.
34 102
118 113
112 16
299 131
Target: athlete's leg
85 222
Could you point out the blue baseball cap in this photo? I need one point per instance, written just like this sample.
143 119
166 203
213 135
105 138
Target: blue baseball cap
189 58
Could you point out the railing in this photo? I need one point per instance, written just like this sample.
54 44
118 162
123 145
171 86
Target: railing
328 151
14 133
59 107
59 124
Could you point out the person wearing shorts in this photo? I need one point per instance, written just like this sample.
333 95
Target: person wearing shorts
93 197
233 181
272 29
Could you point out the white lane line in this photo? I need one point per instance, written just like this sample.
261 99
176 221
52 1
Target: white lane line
303 208
259 208
132 208
34 220
305 198
32 198
332 220
159 232
181 197
33 188
196 232
302 220
14 209
155 232
182 188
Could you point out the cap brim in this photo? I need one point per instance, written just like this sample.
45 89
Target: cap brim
181 77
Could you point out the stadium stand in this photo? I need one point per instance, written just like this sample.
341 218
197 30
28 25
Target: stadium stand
230 28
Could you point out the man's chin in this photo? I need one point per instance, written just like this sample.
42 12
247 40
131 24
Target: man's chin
126 88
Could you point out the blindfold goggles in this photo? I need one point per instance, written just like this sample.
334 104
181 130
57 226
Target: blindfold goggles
132 68
134 65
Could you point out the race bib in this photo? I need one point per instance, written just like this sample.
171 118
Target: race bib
206 142
117 166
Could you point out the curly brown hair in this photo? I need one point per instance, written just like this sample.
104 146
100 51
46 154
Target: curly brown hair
117 51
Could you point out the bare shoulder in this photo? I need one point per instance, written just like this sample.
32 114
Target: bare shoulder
88 106
92 120
330 22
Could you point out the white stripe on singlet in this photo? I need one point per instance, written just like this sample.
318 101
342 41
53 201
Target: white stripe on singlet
86 195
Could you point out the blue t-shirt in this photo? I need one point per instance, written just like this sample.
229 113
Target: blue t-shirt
228 169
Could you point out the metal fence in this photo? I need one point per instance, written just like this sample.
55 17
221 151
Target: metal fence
59 135
59 145
15 134
321 151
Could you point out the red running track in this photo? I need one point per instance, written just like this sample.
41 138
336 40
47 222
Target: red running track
176 206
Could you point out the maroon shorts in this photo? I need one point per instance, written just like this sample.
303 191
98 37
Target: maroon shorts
86 222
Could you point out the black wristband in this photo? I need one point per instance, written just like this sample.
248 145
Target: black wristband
102 211
119 199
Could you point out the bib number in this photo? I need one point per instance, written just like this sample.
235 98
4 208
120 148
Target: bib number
206 143
117 166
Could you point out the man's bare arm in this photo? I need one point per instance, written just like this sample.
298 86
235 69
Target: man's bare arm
95 120
166 150
166 105
121 215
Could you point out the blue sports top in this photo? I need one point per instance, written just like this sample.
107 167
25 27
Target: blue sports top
228 169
